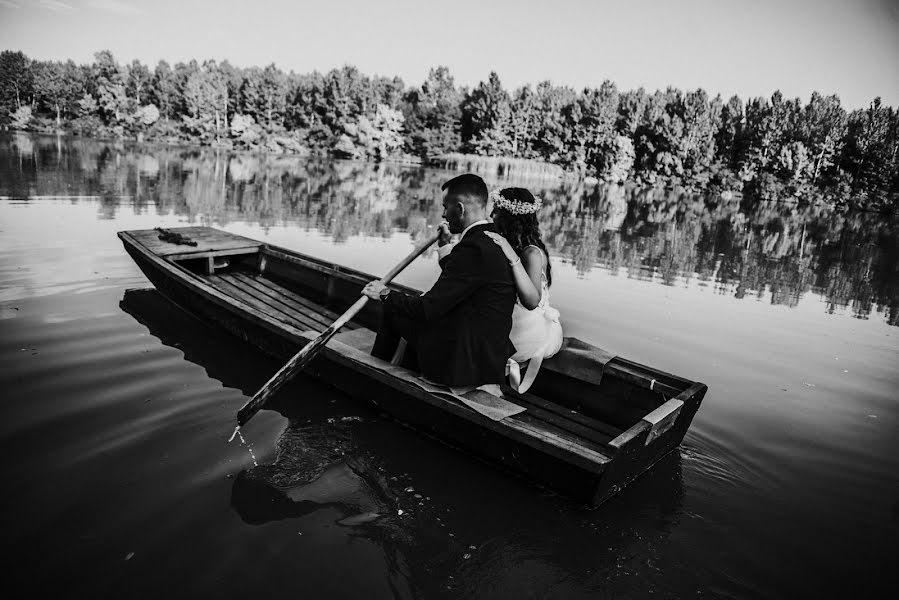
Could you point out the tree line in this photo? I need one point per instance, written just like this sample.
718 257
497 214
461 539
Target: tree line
767 148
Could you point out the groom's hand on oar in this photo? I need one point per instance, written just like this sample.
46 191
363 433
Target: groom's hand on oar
373 289
443 234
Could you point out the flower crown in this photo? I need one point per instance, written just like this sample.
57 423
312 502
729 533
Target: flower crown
516 207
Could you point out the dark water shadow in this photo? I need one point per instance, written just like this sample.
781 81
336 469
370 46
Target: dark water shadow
447 522
224 359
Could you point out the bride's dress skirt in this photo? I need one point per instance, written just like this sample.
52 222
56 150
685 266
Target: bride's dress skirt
536 334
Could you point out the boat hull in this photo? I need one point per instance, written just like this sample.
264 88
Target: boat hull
590 481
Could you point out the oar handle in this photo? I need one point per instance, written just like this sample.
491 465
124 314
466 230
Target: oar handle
310 350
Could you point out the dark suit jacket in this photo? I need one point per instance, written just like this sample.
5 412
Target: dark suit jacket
462 323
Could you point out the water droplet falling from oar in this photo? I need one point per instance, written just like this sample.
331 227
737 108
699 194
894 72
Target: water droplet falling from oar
244 442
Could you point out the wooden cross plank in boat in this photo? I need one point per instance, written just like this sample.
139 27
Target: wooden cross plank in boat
209 241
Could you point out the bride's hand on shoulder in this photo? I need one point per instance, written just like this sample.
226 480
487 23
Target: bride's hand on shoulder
503 245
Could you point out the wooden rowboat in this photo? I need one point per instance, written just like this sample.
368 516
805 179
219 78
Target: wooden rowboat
592 422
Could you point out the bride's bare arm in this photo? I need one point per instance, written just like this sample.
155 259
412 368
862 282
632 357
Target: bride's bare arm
528 275
527 270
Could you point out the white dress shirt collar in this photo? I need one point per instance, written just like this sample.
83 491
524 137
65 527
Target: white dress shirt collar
475 224
442 251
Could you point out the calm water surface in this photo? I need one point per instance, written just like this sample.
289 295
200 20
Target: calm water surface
117 407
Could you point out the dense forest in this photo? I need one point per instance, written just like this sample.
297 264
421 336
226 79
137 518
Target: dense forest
767 148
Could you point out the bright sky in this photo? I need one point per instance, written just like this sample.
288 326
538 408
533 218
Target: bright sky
751 48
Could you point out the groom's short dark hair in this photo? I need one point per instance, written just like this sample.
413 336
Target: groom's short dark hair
467 185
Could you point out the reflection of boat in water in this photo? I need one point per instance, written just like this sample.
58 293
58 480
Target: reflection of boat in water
372 451
258 499
307 474
355 494
593 423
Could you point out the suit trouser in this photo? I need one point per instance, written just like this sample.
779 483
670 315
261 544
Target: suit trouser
393 328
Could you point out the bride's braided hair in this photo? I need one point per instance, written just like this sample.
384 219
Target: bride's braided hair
521 230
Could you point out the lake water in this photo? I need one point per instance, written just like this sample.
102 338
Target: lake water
117 407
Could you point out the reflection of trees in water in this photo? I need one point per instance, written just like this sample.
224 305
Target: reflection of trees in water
784 249
851 259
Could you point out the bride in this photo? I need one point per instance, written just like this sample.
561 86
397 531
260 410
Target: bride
536 331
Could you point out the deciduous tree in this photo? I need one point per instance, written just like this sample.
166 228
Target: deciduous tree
15 80
487 119
432 115
57 87
821 128
138 80
164 90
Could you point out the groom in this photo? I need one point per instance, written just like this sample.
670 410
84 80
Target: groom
459 329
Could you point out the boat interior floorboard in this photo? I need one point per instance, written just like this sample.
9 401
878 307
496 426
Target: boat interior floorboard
325 315
273 300
553 417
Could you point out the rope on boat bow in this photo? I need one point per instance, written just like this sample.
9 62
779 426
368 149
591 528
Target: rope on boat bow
173 237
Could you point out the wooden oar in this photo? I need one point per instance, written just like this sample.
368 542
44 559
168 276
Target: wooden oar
302 358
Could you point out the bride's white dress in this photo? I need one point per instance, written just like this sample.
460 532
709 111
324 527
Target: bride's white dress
536 334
